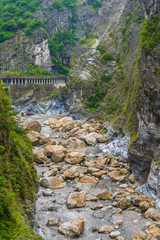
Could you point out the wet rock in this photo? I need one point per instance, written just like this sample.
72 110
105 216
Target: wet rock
53 222
40 157
33 137
153 231
124 203
115 234
73 228
76 200
153 214
132 178
88 179
90 197
104 195
74 157
33 126
52 182
106 229
144 206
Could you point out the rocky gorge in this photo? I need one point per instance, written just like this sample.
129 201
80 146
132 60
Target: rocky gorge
96 142
84 191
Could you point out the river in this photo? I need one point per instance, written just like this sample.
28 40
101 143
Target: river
51 204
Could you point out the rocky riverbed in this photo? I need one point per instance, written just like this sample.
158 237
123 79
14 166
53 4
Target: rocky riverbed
86 188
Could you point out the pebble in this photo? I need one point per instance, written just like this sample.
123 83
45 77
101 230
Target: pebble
135 221
115 234
118 222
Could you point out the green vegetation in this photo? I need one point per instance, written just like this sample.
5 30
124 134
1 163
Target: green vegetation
17 176
58 48
37 71
96 4
105 56
149 36
33 70
18 14
83 40
94 100
61 4
105 77
33 25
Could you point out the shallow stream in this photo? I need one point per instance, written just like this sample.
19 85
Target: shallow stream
54 206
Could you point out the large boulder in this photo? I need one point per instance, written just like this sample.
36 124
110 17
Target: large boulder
40 157
124 203
73 172
74 157
104 195
50 172
73 143
73 228
153 231
56 152
66 120
93 138
33 137
45 140
52 121
153 214
76 200
67 127
116 176
52 182
106 229
88 179
33 126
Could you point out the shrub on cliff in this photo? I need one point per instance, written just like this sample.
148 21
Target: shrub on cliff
149 36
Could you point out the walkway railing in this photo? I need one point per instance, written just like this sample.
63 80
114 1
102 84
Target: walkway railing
20 80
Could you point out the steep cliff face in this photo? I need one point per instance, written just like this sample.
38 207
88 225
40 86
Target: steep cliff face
131 99
145 151
24 49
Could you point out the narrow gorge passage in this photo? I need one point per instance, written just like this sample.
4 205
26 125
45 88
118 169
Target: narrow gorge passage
80 180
